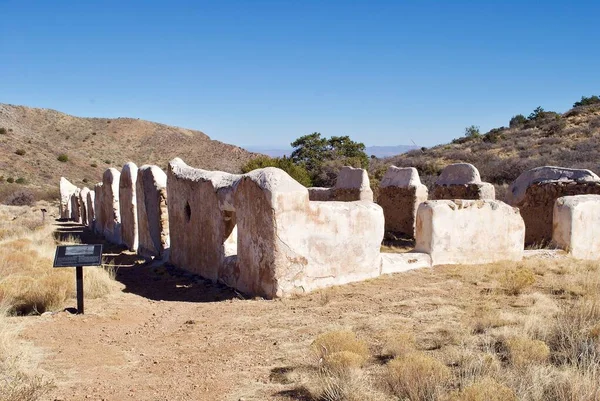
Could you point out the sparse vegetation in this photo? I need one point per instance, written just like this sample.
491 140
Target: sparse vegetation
94 165
587 101
3 131
297 172
10 180
20 198
21 181
20 152
63 158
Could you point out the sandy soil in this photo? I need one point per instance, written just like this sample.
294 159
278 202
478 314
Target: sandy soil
172 336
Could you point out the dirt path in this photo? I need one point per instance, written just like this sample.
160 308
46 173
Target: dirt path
168 336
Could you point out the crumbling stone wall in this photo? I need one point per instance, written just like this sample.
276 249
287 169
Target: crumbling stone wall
66 189
83 194
90 200
462 181
576 225
287 244
469 231
537 206
400 194
283 243
128 206
98 209
201 207
153 216
111 215
75 207
352 184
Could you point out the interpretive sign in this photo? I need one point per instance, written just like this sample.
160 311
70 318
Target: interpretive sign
78 256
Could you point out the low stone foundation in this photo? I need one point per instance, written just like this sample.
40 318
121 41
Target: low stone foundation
469 231
577 225
537 206
400 194
482 190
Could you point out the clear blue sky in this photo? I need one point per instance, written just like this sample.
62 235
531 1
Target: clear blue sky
264 73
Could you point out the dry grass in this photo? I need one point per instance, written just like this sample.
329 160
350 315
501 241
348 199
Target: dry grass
528 331
486 389
417 376
516 280
28 282
20 379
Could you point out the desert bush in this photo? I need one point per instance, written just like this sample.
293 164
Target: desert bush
399 343
20 198
3 131
107 161
10 180
495 135
587 101
297 172
517 120
486 389
522 351
417 376
472 131
63 158
20 152
339 341
21 181
93 165
514 281
342 360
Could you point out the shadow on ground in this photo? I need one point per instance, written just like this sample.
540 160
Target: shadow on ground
150 279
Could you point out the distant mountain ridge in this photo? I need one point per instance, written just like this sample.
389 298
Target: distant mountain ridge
377 151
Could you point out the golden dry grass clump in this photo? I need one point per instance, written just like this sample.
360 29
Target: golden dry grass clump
514 281
417 376
523 352
486 389
327 345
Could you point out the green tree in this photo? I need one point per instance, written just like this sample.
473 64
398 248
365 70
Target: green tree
517 120
295 171
537 113
323 158
586 101
472 131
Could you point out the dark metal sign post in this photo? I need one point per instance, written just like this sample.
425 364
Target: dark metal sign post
78 256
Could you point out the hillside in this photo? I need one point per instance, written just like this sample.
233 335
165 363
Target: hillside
571 139
33 139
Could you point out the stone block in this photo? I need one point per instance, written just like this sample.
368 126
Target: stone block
128 206
111 214
576 227
469 231
400 194
152 212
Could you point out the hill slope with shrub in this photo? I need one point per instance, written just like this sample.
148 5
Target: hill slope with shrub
571 139
38 146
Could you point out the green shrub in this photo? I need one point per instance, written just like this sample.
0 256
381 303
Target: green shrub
85 180
21 181
494 136
107 161
3 131
517 120
297 172
93 165
63 158
472 131
20 152
10 180
586 101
